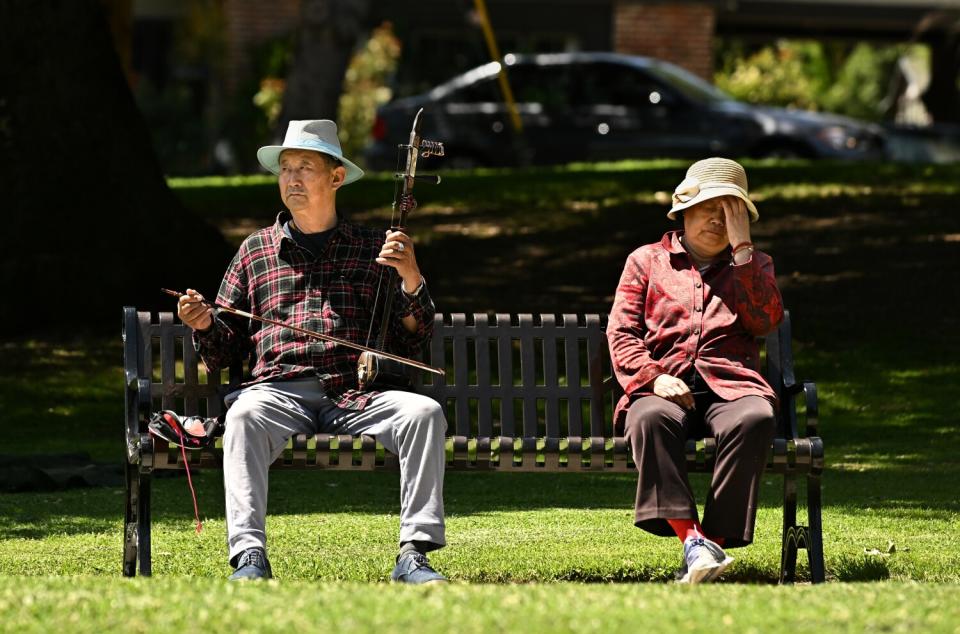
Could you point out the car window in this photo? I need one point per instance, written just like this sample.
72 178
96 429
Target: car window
481 91
618 84
687 83
550 86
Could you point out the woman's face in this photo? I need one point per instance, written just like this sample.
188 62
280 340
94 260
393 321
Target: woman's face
705 228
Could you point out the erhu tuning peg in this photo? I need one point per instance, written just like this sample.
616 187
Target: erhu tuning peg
431 148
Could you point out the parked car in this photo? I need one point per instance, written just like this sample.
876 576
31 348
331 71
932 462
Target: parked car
607 106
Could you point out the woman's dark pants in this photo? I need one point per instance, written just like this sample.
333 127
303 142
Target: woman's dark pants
657 430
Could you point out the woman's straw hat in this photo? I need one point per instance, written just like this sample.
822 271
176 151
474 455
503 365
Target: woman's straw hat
711 178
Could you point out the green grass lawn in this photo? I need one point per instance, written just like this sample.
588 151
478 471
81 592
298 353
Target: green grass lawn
867 257
197 605
502 528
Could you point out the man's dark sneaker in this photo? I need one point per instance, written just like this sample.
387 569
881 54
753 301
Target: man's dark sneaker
413 567
252 564
703 561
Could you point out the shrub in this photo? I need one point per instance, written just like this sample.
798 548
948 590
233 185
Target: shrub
812 75
775 75
364 87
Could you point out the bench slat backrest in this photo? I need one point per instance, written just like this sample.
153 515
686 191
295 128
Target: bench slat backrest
177 380
522 376
519 376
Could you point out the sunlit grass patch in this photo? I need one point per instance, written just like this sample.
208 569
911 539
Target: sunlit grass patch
89 604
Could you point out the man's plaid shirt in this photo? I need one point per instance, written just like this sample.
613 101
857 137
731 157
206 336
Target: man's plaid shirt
274 277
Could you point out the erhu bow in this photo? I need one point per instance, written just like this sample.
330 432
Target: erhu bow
376 365
217 308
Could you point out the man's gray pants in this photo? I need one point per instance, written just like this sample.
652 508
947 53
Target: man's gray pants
262 417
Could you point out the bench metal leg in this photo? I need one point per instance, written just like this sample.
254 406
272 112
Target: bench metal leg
788 552
130 521
143 524
815 531
795 537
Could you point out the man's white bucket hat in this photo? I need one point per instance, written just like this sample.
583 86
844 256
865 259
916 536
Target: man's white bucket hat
319 135
711 178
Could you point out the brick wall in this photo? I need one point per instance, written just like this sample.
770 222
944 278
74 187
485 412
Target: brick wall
249 23
681 33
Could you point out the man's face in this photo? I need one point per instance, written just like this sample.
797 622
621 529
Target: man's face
306 178
705 227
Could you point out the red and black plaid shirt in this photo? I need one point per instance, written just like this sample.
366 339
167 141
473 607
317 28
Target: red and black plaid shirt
274 277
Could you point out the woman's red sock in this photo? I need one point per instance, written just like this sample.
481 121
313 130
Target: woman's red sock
685 528
691 528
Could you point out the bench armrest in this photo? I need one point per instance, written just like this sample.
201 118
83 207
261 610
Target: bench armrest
812 416
136 388
812 425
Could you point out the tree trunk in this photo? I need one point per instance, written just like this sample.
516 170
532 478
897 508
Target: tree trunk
90 224
329 31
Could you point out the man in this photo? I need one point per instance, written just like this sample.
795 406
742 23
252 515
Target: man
682 338
315 270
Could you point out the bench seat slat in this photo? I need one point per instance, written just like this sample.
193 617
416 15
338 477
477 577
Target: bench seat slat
509 454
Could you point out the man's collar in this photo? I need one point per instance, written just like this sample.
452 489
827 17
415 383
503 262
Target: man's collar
277 230
280 232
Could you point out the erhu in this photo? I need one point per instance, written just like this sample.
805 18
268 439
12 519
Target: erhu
217 308
376 367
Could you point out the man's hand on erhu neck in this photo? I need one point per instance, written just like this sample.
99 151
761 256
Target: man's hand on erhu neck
398 252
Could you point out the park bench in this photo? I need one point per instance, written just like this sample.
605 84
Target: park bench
521 392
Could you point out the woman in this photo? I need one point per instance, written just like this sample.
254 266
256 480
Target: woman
682 338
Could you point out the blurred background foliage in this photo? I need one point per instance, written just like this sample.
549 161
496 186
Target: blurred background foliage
192 140
366 86
848 79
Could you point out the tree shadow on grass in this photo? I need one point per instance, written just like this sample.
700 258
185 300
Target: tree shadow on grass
859 249
888 421
832 261
38 515
555 240
74 512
